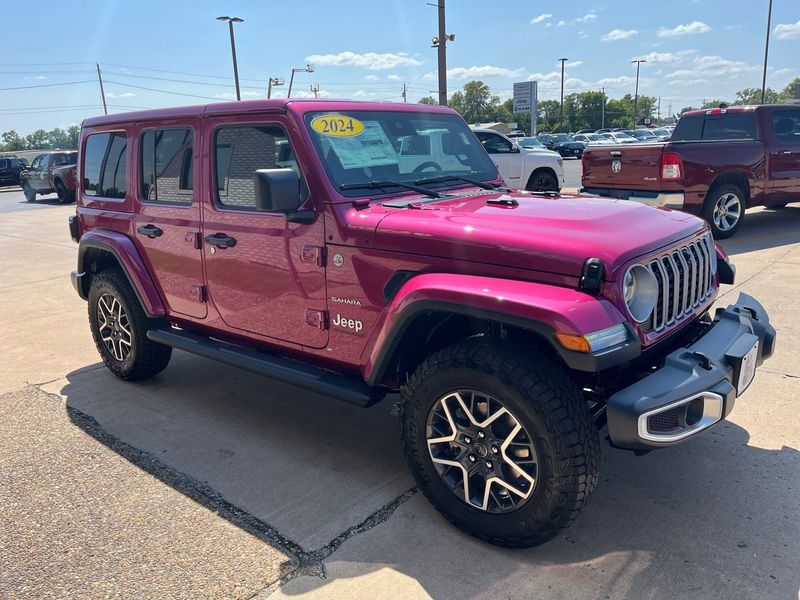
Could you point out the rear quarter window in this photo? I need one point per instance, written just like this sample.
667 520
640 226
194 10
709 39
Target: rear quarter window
104 165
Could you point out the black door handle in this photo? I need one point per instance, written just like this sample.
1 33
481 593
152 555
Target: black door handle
220 240
150 231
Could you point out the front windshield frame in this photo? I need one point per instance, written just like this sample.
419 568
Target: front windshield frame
562 138
434 125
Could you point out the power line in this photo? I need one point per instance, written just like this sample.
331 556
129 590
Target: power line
140 87
27 87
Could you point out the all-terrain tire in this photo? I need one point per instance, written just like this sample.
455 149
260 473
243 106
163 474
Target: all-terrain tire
542 180
544 400
30 193
64 195
144 358
715 198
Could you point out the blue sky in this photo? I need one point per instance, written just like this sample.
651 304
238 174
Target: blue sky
695 49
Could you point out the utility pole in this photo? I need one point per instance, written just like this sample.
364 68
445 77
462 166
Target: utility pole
636 97
102 93
561 117
440 43
670 110
405 99
766 54
306 69
231 21
603 108
315 89
659 110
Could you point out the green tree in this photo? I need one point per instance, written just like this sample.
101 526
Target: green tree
753 96
547 114
73 132
59 138
714 103
427 100
38 139
476 103
14 141
788 92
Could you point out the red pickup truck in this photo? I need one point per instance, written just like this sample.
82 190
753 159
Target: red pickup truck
717 164
51 172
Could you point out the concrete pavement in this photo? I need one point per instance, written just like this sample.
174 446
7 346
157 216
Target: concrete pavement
208 481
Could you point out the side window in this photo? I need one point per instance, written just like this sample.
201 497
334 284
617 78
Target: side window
36 162
45 160
104 165
731 126
786 125
166 165
239 151
416 145
59 159
3 163
494 144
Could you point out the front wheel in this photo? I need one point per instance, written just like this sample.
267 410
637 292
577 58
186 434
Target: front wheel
500 441
119 328
542 181
724 210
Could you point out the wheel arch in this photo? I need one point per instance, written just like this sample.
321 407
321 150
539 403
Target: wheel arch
736 178
101 251
544 169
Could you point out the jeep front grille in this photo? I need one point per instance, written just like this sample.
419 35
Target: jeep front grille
684 280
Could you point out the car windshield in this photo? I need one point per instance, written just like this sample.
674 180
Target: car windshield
563 137
593 137
643 134
359 147
623 135
530 142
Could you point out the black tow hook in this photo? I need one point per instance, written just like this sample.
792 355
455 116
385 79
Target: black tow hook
705 362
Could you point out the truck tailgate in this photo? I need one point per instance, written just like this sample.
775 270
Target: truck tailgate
628 166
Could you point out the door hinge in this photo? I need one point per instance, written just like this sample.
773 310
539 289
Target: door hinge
317 318
313 254
197 293
194 238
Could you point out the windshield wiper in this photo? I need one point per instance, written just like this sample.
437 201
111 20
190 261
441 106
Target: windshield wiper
446 178
377 185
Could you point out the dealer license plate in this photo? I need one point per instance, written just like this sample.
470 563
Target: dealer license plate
748 370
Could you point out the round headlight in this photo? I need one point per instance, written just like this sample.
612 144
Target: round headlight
640 290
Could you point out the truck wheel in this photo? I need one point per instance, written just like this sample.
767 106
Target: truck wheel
30 194
724 210
499 441
542 181
119 328
64 195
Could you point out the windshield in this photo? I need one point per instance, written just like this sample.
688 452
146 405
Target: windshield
643 134
623 135
357 147
529 142
563 137
594 137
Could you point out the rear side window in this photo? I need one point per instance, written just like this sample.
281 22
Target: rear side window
104 165
3 163
239 151
786 125
166 165
727 126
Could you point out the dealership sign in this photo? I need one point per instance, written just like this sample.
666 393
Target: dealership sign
524 101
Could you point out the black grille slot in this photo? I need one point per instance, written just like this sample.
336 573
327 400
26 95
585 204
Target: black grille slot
395 282
668 421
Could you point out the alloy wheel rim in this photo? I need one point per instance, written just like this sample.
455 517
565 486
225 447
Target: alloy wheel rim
727 212
114 327
481 451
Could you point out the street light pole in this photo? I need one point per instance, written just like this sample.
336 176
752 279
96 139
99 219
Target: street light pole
561 117
231 21
766 54
440 43
636 97
276 81
306 69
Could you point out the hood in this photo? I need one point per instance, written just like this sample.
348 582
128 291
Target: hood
539 151
551 234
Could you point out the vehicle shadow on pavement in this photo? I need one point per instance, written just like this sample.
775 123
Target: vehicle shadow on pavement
713 517
766 228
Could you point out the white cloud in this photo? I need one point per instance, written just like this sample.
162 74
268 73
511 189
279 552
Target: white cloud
393 77
713 66
561 23
548 24
666 57
369 60
484 71
586 18
583 35
621 80
231 95
788 31
619 34
360 94
574 63
122 95
690 28
540 18
309 94
371 78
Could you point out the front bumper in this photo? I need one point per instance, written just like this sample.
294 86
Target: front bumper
698 384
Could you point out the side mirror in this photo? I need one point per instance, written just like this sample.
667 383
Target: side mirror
277 190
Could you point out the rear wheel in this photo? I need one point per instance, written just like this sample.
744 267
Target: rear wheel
499 441
30 193
64 195
542 180
724 210
119 328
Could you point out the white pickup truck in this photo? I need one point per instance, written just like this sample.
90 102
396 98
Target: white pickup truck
524 168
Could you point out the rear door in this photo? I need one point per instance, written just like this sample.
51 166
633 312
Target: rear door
784 155
167 224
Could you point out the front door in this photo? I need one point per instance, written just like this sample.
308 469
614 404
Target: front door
167 224
505 154
265 273
37 174
784 156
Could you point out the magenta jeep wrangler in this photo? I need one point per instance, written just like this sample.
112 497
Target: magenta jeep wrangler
320 243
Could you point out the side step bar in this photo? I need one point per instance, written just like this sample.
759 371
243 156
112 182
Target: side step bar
327 383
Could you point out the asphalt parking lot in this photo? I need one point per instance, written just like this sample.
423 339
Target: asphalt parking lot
211 482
